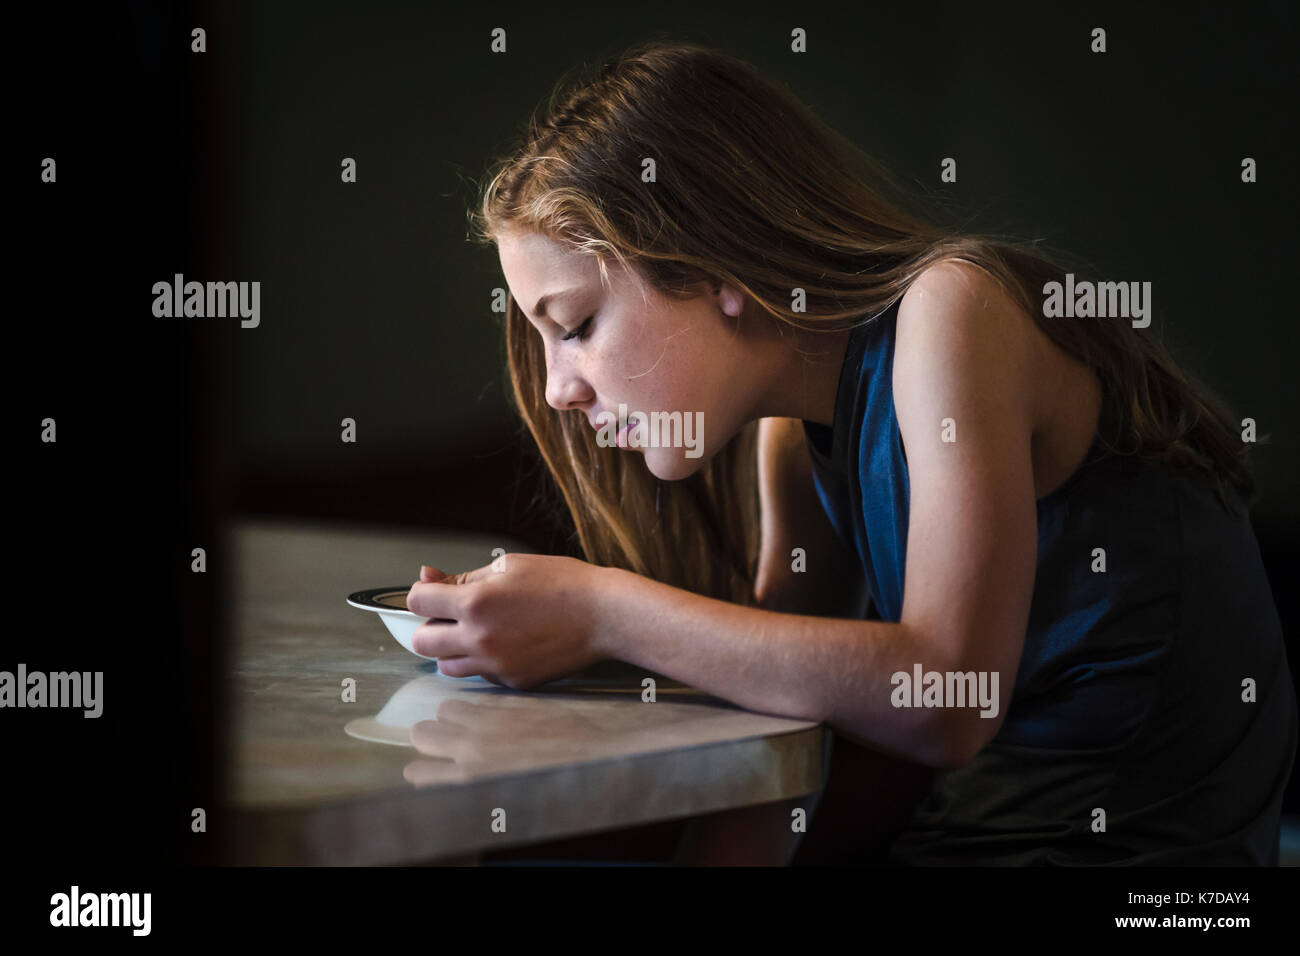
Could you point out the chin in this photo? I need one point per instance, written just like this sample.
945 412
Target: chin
671 464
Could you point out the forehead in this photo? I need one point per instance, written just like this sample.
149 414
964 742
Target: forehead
535 265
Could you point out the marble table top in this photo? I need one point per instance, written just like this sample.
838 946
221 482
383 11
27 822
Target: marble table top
421 766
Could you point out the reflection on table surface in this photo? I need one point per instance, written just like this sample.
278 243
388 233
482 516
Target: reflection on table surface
332 720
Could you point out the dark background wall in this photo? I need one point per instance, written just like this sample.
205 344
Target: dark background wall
226 166
377 308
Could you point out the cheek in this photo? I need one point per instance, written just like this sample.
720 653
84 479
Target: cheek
661 373
695 382
618 356
634 370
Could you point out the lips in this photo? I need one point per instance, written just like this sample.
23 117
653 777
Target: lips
592 421
621 439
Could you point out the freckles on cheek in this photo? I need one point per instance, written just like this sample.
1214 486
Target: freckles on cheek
654 371
632 367
658 365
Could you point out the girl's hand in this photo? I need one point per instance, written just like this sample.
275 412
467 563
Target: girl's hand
520 621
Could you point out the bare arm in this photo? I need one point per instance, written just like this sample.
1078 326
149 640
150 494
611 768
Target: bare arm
816 668
963 364
961 354
792 517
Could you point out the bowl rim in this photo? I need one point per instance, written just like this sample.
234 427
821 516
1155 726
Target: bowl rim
367 600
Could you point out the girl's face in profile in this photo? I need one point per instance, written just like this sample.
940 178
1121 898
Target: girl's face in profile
607 346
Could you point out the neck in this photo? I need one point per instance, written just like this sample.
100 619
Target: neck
804 376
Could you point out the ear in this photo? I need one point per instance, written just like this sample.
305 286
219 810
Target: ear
730 299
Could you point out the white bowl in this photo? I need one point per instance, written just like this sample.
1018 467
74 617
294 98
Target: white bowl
390 605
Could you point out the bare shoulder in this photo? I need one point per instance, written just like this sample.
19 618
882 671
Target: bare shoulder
959 299
959 333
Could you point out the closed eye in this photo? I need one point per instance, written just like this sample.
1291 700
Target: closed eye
580 332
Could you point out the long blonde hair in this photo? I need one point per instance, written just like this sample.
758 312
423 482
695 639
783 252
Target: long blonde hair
754 191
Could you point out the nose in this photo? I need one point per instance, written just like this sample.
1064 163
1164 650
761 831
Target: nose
565 390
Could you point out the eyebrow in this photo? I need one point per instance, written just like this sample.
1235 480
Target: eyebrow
539 309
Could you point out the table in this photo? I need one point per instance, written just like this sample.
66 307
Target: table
315 779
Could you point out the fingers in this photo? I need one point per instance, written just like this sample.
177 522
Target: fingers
429 574
436 594
440 640
437 599
466 666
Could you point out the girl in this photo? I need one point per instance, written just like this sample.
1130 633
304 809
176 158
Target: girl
1069 617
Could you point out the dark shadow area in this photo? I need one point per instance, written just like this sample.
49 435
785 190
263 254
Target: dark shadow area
225 165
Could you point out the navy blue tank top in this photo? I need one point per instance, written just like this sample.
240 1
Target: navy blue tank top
1129 693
